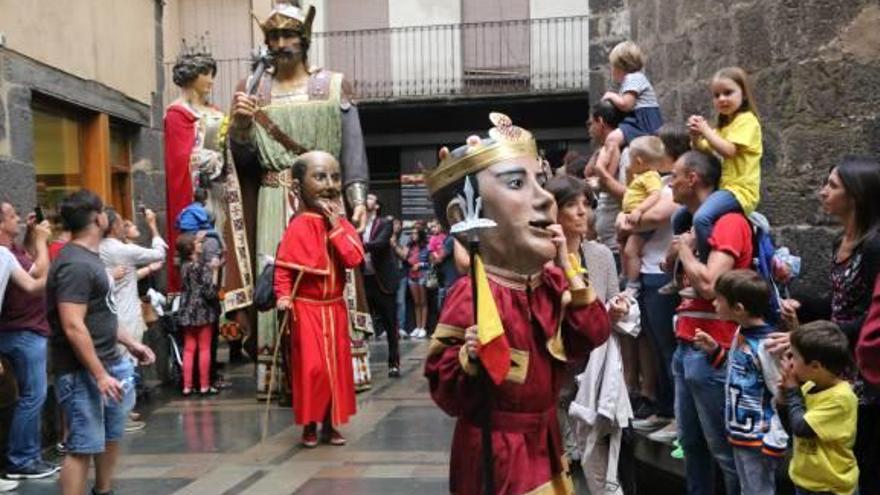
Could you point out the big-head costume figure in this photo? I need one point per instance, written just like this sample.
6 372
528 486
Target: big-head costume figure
535 313
294 109
317 248
196 156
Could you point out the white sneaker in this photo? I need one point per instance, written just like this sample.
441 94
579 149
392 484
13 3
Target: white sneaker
666 434
403 334
650 423
7 485
423 333
418 333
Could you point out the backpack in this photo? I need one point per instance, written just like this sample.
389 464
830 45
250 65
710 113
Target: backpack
777 266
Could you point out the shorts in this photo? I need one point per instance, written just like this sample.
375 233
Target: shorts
92 420
641 122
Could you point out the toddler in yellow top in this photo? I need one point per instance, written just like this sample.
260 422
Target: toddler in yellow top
647 156
737 141
821 414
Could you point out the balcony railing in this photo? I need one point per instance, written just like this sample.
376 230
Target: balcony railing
501 57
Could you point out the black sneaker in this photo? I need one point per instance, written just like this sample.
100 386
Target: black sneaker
394 372
35 471
645 409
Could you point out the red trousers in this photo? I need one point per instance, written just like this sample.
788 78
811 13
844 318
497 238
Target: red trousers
198 336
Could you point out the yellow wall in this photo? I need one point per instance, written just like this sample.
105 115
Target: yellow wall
108 41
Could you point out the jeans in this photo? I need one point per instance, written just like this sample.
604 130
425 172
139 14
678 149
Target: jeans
402 289
657 311
718 204
756 470
93 420
699 413
27 351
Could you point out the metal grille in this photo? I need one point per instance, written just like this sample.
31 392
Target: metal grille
449 60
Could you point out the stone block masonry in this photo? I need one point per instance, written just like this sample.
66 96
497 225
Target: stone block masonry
815 66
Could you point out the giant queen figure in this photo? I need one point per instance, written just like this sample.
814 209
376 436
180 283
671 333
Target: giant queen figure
196 156
295 108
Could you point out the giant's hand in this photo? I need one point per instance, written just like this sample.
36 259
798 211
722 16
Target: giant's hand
243 109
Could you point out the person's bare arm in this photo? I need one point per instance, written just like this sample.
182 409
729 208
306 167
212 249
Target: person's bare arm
36 244
607 180
625 102
26 282
703 277
143 353
635 216
73 323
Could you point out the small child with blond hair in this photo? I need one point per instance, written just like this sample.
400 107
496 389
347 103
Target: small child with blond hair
635 96
647 157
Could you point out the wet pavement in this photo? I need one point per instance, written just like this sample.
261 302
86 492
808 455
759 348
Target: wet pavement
398 443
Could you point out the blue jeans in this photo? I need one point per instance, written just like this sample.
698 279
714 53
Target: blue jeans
718 204
27 351
93 420
657 311
756 470
402 288
699 412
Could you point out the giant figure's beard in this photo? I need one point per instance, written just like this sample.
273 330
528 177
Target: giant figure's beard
287 56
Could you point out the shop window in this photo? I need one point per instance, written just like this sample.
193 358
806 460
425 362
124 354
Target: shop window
120 169
58 153
76 148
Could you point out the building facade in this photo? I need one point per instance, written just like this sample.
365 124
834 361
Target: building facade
426 72
79 102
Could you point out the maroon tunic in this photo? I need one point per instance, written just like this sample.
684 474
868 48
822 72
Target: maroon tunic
545 325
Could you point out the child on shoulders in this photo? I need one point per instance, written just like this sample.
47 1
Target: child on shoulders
754 429
737 140
635 97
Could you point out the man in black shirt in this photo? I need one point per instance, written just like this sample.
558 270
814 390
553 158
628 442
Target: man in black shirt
94 384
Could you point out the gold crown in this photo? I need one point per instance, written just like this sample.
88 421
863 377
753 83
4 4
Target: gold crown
506 142
289 16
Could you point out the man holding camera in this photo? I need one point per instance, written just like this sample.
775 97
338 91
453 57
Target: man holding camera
23 336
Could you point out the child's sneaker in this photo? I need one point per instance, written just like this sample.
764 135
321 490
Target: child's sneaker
688 293
670 289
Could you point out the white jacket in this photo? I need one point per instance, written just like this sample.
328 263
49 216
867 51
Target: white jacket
600 412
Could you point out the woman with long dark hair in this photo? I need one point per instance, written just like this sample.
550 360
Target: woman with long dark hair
851 194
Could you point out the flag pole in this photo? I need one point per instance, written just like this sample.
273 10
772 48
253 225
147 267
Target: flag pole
471 225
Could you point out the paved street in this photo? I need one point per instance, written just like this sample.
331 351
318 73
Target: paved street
398 444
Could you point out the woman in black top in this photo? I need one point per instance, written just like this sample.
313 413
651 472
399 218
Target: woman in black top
852 195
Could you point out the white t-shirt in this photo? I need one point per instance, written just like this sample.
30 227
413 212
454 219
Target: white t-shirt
7 264
654 251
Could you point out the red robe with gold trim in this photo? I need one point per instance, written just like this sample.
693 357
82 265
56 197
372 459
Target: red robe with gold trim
180 137
545 325
310 269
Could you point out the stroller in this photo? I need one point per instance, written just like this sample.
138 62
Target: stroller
172 372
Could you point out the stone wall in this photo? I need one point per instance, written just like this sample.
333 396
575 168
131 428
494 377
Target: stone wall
815 65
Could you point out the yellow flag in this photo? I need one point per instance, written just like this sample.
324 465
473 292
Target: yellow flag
494 350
